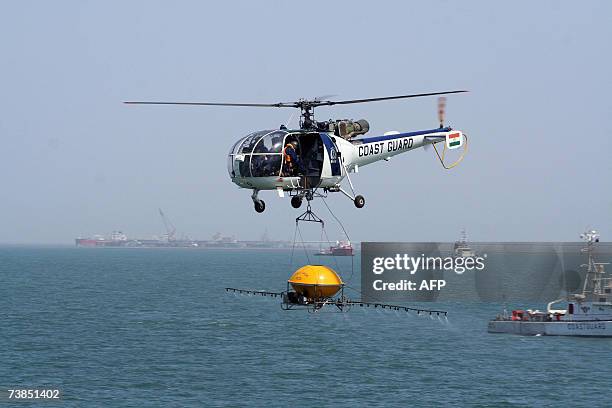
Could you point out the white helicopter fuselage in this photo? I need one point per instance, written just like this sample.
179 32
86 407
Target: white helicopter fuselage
328 161
322 153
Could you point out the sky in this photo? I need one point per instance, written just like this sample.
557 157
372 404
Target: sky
75 161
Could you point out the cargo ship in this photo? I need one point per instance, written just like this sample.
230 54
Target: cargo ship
119 240
342 248
169 240
116 239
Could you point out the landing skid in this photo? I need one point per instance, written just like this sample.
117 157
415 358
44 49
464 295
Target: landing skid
358 200
298 196
260 205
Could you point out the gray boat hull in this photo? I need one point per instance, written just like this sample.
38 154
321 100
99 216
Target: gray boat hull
561 328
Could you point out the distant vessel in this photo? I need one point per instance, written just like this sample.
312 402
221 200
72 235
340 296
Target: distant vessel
461 248
116 239
169 240
218 241
586 314
342 248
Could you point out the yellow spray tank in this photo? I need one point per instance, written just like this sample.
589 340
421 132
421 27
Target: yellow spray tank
315 281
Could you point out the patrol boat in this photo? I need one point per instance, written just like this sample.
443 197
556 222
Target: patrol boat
461 248
585 314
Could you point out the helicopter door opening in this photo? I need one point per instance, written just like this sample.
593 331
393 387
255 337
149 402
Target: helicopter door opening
309 152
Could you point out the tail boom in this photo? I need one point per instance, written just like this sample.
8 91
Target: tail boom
373 149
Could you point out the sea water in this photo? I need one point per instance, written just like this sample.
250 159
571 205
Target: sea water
117 327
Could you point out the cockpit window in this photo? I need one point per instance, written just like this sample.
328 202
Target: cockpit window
266 165
249 142
257 155
270 143
236 145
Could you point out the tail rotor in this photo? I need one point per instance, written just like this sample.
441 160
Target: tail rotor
454 140
441 117
441 110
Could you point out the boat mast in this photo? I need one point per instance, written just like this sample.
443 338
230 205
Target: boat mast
592 282
463 237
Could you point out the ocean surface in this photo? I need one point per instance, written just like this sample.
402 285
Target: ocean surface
154 327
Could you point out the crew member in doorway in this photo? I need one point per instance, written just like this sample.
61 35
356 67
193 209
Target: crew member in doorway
293 165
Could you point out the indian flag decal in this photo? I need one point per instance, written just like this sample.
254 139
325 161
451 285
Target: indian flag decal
454 140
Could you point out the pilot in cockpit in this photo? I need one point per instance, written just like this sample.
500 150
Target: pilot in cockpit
258 161
277 142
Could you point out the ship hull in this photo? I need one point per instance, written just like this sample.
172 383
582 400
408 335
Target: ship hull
82 242
601 328
335 253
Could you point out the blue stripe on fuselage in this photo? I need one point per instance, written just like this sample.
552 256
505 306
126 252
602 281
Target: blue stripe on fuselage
332 153
400 135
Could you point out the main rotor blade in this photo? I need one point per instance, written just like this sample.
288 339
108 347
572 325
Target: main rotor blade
256 105
321 98
299 104
384 98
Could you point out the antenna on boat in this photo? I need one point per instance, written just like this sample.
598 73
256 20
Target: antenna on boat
591 237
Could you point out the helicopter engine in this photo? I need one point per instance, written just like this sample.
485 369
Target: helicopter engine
348 129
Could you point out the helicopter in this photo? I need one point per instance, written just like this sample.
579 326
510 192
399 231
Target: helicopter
313 160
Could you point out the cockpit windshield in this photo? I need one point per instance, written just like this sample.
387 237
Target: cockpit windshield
270 143
257 155
249 142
